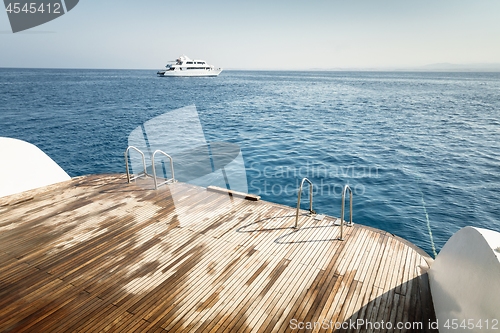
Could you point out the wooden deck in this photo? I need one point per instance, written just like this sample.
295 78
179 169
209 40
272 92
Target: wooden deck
97 254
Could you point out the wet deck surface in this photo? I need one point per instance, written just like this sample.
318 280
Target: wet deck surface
97 254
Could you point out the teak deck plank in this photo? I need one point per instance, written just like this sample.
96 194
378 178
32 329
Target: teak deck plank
269 264
96 254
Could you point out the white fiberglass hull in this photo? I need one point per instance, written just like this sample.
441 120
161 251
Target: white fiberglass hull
190 72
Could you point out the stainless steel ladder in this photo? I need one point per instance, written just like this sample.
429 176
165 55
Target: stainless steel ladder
171 180
342 211
145 173
298 201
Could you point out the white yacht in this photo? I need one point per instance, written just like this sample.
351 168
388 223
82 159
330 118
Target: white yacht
183 66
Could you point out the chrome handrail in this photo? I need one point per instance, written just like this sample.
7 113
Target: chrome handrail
342 211
143 164
310 200
171 180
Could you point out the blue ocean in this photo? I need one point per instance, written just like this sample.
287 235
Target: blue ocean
421 151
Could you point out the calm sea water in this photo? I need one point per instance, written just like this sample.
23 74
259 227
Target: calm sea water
419 150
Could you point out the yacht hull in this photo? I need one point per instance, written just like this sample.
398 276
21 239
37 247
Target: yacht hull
189 73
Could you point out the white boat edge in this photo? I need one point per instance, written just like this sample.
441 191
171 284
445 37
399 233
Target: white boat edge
465 281
24 167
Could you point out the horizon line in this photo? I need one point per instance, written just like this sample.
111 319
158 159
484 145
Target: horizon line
426 68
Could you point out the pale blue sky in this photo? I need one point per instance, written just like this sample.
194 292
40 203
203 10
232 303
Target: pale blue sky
260 34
